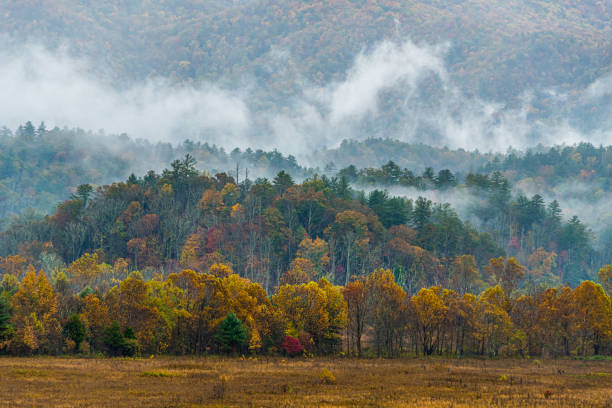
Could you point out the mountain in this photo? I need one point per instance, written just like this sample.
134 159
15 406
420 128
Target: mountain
497 49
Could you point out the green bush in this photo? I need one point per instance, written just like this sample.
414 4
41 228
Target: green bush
118 343
76 331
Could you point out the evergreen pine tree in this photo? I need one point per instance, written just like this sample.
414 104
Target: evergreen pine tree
232 335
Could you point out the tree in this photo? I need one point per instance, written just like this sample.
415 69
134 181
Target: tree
300 271
6 329
430 312
220 270
356 299
132 305
555 324
231 336
76 331
282 182
96 318
291 346
202 302
87 270
524 316
493 328
34 305
507 274
83 193
541 265
386 310
118 343
594 318
464 273
390 211
422 213
605 276
315 309
348 228
317 252
14 265
446 179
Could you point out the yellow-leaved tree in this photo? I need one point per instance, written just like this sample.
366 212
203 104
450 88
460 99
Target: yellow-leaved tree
386 310
317 311
493 326
34 305
429 314
594 320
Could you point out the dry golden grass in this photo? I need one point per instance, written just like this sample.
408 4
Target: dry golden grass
275 382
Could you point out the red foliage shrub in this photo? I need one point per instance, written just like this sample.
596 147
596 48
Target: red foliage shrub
291 346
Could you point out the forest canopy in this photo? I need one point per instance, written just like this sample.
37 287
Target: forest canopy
186 262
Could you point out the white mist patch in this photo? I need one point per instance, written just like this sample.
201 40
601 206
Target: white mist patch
426 107
460 200
388 65
324 116
352 109
601 87
595 213
41 86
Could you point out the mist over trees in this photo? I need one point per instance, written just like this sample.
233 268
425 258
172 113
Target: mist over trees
40 167
356 215
498 50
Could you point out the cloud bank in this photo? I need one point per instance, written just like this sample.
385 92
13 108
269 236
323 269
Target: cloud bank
39 85
394 89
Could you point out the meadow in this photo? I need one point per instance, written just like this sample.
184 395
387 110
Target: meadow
320 382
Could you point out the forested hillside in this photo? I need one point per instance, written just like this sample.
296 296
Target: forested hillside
183 262
325 192
41 167
499 48
263 227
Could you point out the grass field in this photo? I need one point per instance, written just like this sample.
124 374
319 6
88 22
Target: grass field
275 382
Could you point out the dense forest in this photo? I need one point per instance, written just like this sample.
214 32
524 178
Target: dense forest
186 262
499 48
40 167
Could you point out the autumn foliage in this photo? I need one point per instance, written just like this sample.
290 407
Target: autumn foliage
187 263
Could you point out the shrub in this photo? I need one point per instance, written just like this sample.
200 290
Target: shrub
118 343
327 377
75 330
291 346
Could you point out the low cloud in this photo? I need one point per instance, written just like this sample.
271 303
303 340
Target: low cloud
388 65
394 89
42 86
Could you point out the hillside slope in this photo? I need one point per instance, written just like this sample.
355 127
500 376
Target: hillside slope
499 48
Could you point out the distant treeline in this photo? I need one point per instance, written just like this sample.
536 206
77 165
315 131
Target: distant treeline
41 167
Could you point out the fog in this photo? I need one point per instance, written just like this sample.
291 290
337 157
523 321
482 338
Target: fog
595 213
394 89
39 85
